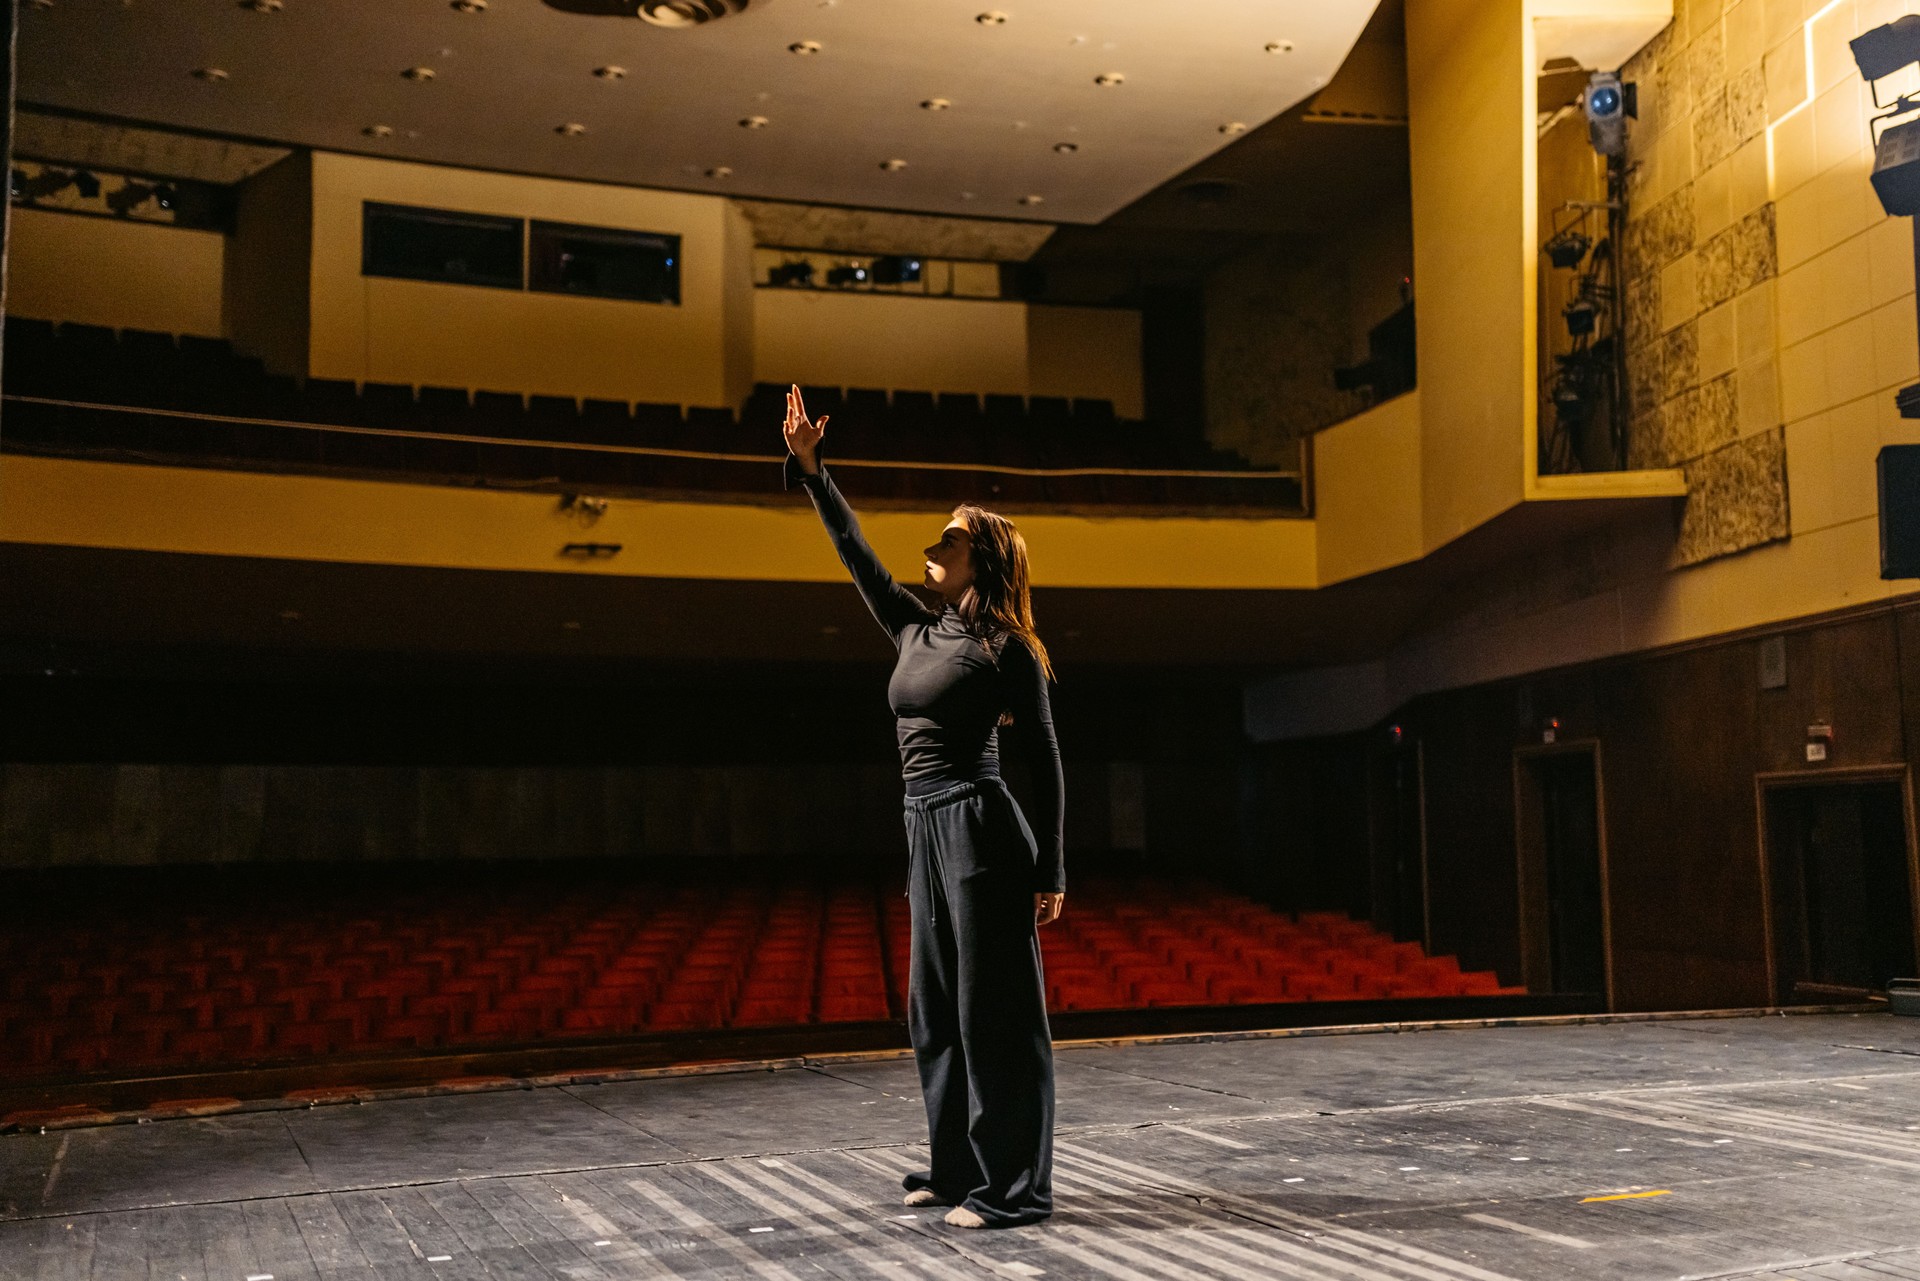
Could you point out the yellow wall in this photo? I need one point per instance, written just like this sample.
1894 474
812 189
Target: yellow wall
115 272
1470 101
1366 474
1838 322
883 340
1086 351
269 268
408 331
67 502
739 321
913 343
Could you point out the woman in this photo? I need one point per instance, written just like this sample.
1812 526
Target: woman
977 880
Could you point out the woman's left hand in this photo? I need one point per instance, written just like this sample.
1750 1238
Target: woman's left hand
1046 907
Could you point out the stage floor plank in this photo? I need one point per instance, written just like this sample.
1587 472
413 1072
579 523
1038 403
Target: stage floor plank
1762 1148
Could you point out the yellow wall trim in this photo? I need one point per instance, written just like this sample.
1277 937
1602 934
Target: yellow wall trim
77 503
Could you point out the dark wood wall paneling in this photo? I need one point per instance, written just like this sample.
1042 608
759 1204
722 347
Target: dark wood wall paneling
424 763
1681 735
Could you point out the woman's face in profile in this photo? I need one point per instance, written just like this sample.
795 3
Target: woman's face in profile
950 562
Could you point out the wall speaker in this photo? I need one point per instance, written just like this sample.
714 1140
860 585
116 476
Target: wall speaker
1900 511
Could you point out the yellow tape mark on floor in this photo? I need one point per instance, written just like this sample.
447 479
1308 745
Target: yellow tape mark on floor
1626 1196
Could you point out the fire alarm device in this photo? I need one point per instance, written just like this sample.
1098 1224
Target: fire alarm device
1819 741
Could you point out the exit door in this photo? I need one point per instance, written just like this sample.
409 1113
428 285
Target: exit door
1841 884
1562 852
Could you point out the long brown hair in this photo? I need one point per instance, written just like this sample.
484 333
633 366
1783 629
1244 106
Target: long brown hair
999 603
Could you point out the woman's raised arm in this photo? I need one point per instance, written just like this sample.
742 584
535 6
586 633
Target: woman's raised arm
894 607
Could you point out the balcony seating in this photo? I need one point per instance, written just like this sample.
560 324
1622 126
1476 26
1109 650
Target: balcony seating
945 447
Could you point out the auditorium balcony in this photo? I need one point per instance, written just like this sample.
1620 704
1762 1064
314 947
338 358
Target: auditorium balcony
76 390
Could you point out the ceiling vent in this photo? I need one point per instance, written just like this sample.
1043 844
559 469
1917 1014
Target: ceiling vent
661 13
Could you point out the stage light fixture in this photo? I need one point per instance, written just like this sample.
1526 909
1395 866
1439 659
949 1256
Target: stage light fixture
1567 248
129 197
1880 53
1581 316
87 185
850 274
895 270
791 273
1607 104
1886 49
16 184
166 195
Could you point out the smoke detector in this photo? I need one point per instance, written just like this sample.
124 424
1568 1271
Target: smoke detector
419 75
893 166
1109 79
991 18
610 72
263 6
378 131
571 129
469 6
212 75
805 48
935 104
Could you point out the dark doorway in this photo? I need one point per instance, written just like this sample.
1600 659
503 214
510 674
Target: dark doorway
1397 838
1563 910
1842 889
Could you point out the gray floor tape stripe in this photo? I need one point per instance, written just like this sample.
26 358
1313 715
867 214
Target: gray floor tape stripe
859 1246
1767 1119
708 1230
1637 1117
854 1209
1370 1247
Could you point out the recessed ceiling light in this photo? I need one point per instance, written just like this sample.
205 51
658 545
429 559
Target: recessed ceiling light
378 131
1108 79
1279 46
805 48
571 129
419 75
720 171
893 166
683 13
212 75
935 104
469 6
262 6
610 72
991 18
1066 148
1032 200
755 122
1233 126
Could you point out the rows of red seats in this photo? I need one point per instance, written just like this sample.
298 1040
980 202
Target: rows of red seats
125 990
1134 945
208 988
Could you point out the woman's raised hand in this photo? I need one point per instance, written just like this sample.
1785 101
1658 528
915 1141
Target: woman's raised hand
803 435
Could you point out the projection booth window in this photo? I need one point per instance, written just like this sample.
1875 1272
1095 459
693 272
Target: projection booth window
603 262
437 244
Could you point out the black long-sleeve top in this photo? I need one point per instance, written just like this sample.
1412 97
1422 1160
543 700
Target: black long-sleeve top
950 687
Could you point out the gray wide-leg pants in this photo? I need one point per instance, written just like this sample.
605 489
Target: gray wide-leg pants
976 1004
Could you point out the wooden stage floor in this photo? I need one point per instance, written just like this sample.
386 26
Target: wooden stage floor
1755 1147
